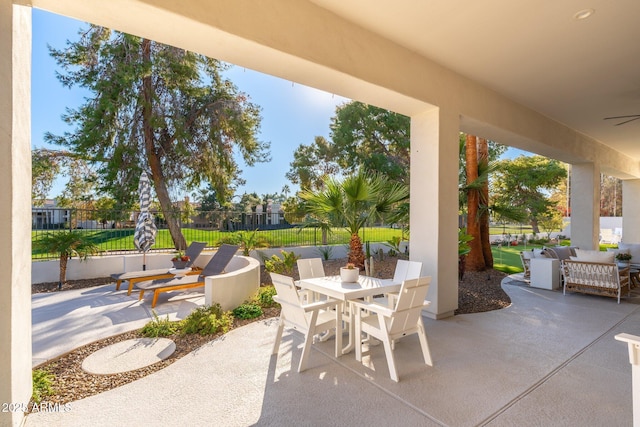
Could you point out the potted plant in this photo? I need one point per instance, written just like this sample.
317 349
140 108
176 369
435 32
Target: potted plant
349 273
623 259
180 260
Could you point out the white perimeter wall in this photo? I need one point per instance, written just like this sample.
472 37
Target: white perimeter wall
104 266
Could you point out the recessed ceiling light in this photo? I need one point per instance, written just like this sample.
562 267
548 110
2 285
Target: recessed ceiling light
583 14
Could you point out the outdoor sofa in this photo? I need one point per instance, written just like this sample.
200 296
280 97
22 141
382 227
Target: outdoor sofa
596 273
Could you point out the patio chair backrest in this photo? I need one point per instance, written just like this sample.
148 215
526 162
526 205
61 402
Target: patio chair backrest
219 261
193 252
409 305
406 270
309 268
291 306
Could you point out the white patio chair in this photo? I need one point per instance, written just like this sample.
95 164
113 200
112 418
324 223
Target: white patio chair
310 267
404 270
309 319
388 324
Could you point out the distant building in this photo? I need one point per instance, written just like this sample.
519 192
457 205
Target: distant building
48 216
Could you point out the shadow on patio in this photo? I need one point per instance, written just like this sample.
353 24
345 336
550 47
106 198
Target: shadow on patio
548 359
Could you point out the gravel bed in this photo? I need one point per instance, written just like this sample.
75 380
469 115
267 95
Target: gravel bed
478 292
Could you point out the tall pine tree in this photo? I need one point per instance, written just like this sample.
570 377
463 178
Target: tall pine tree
157 108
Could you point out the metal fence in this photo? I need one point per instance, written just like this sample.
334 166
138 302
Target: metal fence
113 231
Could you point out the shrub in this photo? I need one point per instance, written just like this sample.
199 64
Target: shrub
540 241
325 252
247 311
283 265
159 327
207 320
42 384
264 297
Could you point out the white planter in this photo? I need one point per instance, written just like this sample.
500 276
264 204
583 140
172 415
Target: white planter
349 274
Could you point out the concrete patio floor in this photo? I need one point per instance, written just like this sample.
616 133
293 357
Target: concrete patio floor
547 360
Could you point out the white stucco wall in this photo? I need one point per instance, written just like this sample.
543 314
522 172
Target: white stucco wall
15 208
238 284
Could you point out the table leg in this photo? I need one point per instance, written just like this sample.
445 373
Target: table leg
351 343
339 351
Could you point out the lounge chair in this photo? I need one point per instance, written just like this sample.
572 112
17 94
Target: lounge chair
214 267
193 252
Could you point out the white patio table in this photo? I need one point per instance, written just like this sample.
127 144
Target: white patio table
366 287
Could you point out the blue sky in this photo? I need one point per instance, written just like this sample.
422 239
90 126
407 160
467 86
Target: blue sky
292 114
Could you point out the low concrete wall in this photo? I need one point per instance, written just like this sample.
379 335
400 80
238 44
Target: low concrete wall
239 283
104 266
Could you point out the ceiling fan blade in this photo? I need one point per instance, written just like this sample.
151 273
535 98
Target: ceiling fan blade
627 121
622 117
635 117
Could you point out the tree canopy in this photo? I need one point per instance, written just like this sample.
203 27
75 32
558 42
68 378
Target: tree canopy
156 108
526 182
362 136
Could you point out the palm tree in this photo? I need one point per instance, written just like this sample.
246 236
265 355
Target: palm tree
353 202
66 244
249 241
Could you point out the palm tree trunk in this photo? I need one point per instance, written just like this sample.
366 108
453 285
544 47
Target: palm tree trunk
153 159
356 255
475 259
63 270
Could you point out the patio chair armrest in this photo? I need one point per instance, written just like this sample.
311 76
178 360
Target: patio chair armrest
372 306
320 305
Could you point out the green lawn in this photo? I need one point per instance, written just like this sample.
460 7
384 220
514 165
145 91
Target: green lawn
507 258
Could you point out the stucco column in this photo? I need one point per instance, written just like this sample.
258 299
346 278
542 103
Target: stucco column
434 206
585 205
630 209
15 207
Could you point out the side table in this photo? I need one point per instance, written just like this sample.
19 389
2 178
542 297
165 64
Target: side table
179 272
545 273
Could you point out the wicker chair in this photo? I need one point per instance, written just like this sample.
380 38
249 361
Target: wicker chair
525 257
596 278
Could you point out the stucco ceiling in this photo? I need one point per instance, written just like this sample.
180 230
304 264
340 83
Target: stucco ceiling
574 71
536 53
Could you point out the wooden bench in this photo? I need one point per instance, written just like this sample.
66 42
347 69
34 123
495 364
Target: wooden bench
595 278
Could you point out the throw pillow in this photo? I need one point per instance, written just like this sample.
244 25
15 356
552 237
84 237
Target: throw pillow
594 256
